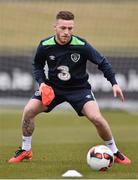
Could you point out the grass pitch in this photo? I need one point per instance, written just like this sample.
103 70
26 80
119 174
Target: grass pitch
60 143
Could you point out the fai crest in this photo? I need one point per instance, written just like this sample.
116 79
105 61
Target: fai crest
75 57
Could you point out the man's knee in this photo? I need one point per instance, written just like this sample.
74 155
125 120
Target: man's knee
29 112
33 108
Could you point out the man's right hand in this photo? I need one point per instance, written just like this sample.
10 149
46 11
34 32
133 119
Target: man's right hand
47 94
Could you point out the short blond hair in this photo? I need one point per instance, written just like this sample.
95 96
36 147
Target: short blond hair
65 15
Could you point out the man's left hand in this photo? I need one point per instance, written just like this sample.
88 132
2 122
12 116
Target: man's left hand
118 92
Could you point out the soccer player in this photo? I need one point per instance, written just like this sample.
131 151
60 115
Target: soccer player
66 56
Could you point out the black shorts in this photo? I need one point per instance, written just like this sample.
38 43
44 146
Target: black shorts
76 98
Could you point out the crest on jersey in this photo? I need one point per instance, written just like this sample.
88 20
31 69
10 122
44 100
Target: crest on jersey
75 57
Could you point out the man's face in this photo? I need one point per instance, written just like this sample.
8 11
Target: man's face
64 30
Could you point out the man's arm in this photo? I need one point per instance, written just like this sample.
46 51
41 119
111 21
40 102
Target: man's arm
46 91
39 64
107 69
103 65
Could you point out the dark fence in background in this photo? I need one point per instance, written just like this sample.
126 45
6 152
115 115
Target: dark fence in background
17 83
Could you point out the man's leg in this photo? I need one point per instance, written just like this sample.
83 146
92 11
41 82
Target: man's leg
33 107
92 112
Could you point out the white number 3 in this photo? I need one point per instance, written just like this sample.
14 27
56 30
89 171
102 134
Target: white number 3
64 74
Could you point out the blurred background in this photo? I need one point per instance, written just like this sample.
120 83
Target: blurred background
110 26
62 139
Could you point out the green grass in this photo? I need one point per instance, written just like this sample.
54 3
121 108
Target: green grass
109 25
61 141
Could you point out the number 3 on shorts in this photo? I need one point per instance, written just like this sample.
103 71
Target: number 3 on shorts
64 74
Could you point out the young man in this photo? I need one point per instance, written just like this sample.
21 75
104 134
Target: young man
66 56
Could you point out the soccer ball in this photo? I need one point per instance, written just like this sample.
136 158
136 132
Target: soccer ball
100 158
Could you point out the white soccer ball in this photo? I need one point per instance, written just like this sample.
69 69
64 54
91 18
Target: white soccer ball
100 158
